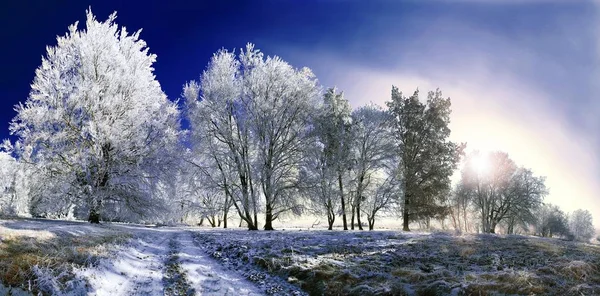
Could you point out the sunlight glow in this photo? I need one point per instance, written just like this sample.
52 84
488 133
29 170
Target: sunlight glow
481 164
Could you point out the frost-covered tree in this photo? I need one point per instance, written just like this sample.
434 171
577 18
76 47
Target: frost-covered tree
581 225
551 221
280 102
461 212
97 120
203 191
372 147
530 191
318 183
381 191
334 130
220 138
502 191
257 109
9 173
427 157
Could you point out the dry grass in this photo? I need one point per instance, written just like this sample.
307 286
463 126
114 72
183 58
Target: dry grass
24 254
369 264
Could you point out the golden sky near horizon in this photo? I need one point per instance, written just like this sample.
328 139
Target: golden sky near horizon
491 114
526 84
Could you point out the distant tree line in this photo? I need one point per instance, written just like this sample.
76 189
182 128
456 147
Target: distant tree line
99 140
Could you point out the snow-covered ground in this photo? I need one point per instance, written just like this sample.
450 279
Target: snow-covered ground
164 261
155 261
125 259
399 263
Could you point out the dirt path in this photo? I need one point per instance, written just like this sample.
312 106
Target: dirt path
138 268
207 276
165 261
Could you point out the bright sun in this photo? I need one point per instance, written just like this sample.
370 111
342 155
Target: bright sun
481 164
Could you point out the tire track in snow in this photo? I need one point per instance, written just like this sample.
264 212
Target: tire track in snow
175 278
206 275
148 280
138 269
142 268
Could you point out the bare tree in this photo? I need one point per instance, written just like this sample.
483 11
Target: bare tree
333 129
581 225
257 110
502 191
382 191
551 220
221 133
372 147
319 184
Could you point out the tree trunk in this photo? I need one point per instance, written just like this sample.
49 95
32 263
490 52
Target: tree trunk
255 226
225 219
358 215
358 201
330 220
493 227
465 220
94 217
269 217
341 185
352 218
405 214
371 221
252 225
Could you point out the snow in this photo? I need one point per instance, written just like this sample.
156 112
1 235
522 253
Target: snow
210 261
393 262
208 275
138 269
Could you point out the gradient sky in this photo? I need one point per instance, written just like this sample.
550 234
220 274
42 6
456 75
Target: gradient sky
523 75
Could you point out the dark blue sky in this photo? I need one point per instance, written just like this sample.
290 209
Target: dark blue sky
522 74
184 34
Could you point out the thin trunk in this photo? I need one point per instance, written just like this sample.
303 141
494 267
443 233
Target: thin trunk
358 215
405 214
358 201
211 221
465 219
330 221
255 226
353 208
330 215
344 221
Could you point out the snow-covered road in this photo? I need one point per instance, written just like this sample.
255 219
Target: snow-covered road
164 261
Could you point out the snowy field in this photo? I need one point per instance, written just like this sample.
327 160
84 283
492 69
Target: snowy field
76 258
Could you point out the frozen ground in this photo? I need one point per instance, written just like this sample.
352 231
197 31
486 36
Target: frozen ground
152 261
397 263
76 258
